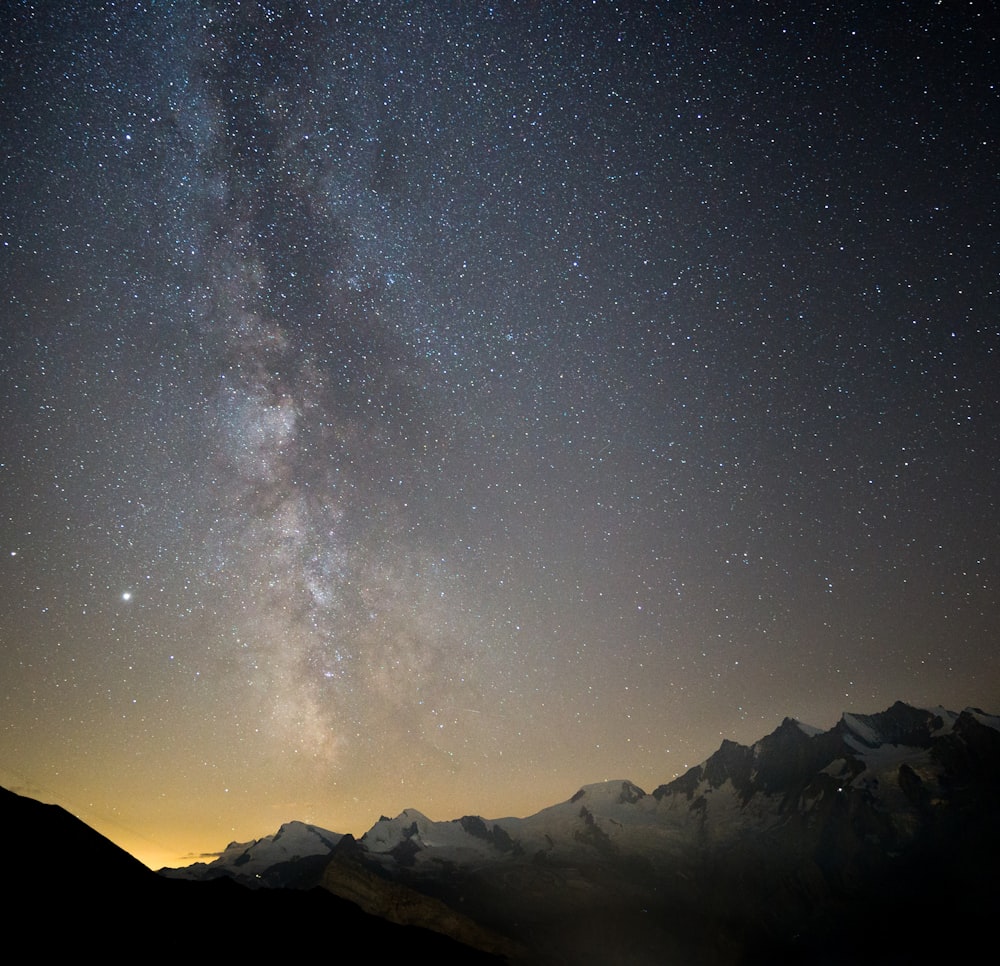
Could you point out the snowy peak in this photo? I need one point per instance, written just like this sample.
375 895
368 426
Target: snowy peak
788 754
294 840
595 816
389 833
620 792
901 724
300 838
789 762
405 838
274 860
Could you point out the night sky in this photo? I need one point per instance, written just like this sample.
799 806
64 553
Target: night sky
447 405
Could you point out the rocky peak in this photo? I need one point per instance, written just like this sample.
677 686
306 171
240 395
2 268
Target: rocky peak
901 724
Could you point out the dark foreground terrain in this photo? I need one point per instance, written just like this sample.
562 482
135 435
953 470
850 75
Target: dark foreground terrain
71 891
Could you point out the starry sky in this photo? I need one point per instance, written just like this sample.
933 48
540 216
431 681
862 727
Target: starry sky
446 405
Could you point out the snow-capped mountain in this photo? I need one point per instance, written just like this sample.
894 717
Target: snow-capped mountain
283 859
808 845
890 766
771 849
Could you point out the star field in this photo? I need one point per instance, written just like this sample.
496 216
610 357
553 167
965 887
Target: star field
415 406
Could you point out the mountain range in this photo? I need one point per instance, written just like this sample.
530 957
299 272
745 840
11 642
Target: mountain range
875 841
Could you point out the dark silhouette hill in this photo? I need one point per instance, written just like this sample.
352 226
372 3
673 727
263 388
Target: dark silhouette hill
71 891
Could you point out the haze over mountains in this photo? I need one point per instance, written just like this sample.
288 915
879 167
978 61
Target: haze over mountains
873 841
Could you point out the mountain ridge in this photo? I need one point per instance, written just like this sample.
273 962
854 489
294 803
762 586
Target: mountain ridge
771 852
788 759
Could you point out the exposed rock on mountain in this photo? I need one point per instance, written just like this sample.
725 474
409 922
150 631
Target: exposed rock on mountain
349 876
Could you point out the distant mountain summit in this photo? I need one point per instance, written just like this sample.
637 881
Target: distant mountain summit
855 755
874 841
294 856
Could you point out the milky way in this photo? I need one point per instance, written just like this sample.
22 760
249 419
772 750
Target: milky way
410 406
